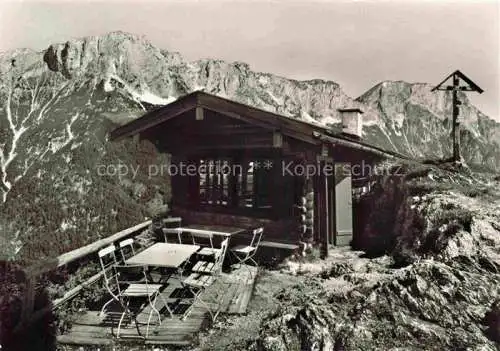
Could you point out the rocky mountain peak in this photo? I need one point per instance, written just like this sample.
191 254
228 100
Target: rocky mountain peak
99 54
394 96
417 121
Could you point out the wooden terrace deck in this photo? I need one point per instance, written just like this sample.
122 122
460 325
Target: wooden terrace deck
237 286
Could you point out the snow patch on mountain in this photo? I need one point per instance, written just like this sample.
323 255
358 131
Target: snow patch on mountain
66 224
155 99
139 96
280 101
329 120
307 117
58 143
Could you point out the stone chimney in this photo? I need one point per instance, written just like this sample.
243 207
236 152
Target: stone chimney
352 122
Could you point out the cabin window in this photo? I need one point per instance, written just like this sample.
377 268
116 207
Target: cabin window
254 185
214 182
226 183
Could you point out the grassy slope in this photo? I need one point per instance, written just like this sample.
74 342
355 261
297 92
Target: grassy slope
58 200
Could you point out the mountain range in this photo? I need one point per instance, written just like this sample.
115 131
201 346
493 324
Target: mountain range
58 105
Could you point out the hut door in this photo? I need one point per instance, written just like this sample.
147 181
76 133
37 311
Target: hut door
343 204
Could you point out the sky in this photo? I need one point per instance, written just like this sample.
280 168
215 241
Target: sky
354 43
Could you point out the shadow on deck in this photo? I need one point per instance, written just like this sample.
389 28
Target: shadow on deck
235 288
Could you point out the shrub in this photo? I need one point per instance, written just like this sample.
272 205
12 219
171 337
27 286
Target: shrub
423 187
475 192
418 173
455 218
376 234
492 321
40 335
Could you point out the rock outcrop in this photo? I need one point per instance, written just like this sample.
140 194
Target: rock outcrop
444 296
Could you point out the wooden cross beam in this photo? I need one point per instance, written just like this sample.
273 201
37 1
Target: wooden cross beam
457 78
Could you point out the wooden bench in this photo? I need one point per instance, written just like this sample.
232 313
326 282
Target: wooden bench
278 245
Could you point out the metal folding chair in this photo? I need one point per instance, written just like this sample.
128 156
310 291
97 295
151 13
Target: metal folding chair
129 290
107 260
203 276
127 249
176 231
246 253
170 225
201 238
206 240
123 290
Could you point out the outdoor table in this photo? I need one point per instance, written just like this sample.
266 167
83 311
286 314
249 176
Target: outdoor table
164 255
217 230
221 230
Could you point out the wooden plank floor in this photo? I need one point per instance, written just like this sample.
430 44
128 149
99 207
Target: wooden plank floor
231 292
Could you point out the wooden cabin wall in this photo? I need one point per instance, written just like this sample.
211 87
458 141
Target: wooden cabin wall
308 217
282 230
362 162
301 209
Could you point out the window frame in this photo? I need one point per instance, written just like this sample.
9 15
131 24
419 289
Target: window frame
234 187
